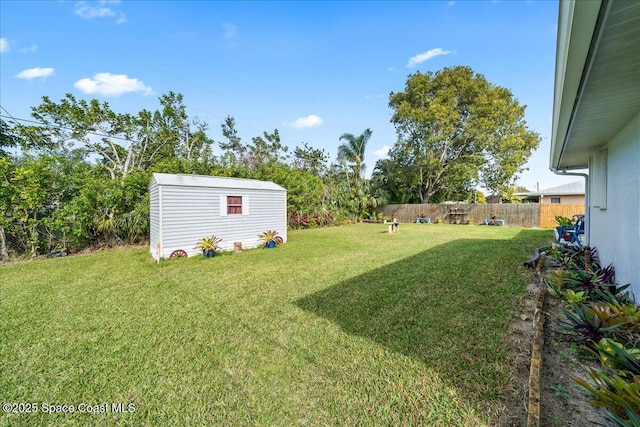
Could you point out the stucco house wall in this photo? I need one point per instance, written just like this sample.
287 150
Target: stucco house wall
567 193
615 231
596 124
564 198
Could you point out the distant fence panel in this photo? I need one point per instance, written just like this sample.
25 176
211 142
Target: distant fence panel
549 211
516 214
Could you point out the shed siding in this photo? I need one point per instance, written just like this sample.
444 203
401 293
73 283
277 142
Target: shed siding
154 218
190 212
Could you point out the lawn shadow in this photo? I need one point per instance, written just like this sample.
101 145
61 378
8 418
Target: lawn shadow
448 307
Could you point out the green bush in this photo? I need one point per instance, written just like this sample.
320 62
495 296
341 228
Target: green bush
563 220
603 316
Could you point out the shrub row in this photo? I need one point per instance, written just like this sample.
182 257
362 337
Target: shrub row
603 317
310 220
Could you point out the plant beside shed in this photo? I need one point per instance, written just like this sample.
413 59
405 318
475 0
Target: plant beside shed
269 239
208 245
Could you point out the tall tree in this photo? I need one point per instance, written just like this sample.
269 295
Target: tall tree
8 139
266 149
310 159
93 125
121 143
352 151
167 134
33 198
233 147
7 190
455 128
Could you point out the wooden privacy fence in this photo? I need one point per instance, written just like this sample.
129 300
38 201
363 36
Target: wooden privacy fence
520 214
548 212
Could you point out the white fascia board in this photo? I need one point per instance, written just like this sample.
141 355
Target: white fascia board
576 24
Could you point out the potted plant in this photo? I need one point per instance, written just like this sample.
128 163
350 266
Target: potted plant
208 245
269 239
493 219
563 220
564 224
469 221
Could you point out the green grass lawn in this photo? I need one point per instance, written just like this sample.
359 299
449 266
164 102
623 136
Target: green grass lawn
342 326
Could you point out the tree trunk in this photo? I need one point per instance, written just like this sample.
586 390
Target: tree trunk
425 193
34 236
4 254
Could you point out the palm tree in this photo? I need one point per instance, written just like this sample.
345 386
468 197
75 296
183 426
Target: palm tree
352 151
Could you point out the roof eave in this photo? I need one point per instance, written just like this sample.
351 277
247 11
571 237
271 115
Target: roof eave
576 25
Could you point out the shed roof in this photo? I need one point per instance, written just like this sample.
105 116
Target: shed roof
186 180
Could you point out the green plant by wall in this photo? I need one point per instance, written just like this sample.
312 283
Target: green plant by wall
607 322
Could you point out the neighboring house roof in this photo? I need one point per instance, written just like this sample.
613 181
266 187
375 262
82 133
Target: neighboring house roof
185 180
597 82
572 189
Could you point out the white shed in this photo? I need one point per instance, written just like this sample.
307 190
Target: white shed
186 208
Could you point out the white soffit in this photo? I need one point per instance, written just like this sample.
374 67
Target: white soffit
610 95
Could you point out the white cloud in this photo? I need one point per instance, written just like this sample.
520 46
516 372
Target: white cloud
305 122
35 73
4 45
88 11
230 30
108 84
31 49
425 56
382 152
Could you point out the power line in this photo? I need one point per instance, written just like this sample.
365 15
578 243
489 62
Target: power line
172 75
200 86
49 125
15 120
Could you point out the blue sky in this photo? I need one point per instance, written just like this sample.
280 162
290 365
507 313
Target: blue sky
313 70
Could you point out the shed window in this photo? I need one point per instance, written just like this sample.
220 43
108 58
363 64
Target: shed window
555 200
234 205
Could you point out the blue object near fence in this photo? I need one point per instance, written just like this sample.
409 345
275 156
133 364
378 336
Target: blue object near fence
423 220
493 221
573 230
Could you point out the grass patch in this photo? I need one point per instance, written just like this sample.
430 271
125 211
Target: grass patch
340 326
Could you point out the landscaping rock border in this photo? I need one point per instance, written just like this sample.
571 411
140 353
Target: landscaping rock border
535 374
554 398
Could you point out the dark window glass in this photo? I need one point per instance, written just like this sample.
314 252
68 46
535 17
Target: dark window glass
234 205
